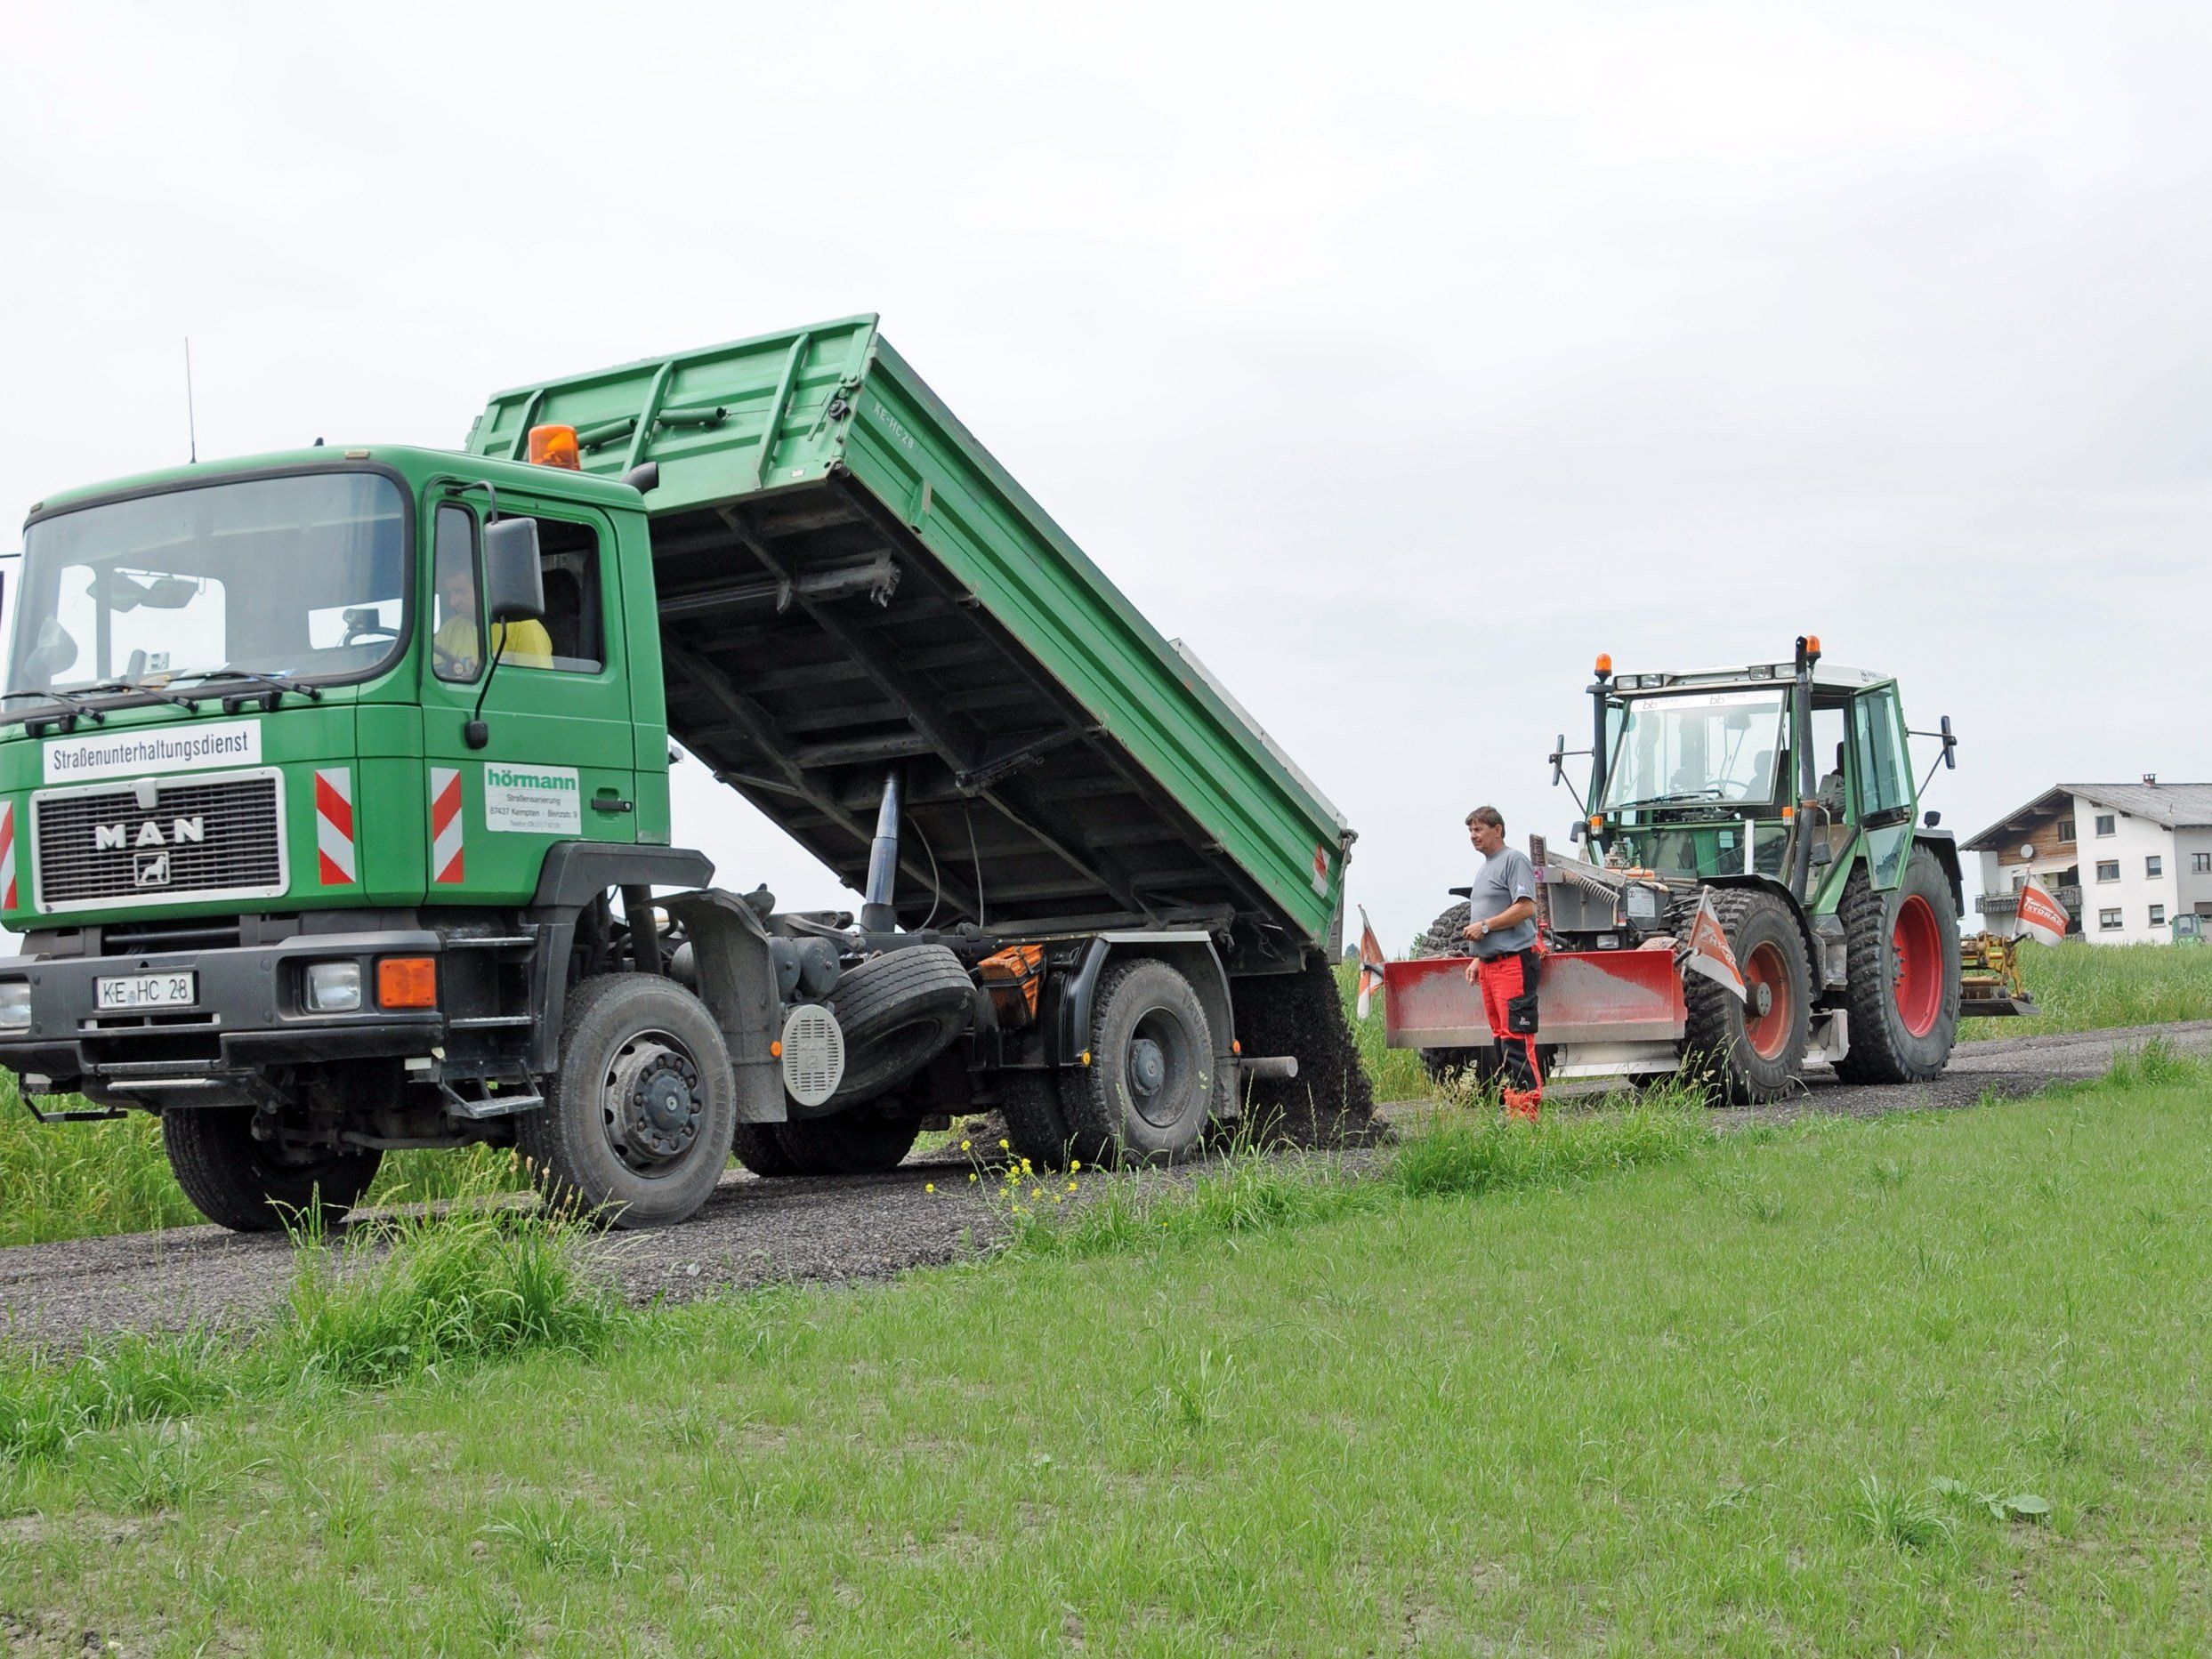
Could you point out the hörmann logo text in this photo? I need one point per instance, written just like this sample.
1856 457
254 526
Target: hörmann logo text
515 778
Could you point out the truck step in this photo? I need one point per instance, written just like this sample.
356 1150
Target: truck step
485 1022
476 1111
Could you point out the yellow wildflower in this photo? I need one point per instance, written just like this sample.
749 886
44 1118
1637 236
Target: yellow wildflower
1071 1185
1002 1144
965 1145
1075 1163
929 1187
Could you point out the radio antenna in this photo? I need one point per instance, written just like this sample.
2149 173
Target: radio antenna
191 421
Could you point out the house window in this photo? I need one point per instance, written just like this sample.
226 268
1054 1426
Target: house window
2105 824
2065 832
2158 915
2108 869
2154 865
2108 921
2200 863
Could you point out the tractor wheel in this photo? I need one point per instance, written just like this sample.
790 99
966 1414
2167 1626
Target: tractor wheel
1752 1049
867 1140
1480 1065
1903 988
637 1125
1149 1090
249 1185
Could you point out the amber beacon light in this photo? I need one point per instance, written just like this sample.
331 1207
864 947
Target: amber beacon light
555 447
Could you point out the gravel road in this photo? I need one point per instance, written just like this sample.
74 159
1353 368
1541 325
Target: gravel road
753 1232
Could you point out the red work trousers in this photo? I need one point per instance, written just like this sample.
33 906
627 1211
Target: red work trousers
1509 1000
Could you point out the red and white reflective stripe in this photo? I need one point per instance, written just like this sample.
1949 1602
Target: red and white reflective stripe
7 856
333 825
445 824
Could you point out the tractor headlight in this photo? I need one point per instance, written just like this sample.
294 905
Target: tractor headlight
15 1004
333 987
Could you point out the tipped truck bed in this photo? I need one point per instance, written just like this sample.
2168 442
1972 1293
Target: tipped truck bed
848 580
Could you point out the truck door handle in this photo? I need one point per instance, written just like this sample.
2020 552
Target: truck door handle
607 801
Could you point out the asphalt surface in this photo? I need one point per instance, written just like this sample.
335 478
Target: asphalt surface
860 1228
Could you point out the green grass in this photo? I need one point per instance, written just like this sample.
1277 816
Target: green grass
81 1180
2093 987
1922 1384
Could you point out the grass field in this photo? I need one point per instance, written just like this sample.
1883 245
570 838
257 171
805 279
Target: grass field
1911 1385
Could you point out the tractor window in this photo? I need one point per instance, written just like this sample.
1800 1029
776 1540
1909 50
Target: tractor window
1717 747
1878 745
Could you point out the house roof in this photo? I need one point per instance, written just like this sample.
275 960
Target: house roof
2171 806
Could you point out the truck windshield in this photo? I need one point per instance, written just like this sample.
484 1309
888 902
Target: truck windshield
1697 747
300 577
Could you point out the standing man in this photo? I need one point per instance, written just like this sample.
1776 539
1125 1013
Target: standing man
1501 930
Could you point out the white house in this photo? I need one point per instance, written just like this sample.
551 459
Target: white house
2123 859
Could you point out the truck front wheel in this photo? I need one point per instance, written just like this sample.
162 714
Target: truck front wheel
638 1123
1149 1086
252 1186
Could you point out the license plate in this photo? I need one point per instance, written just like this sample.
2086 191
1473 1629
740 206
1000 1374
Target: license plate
148 990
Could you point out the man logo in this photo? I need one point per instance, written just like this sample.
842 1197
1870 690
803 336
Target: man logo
152 868
115 837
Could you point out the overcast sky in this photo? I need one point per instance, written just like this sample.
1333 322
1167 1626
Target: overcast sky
1398 359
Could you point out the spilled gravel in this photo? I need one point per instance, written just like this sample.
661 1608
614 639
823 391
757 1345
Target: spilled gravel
831 1229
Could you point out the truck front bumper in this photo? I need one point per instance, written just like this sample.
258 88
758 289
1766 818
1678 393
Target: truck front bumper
250 1013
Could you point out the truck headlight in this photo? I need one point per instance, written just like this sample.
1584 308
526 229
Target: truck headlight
333 987
15 1004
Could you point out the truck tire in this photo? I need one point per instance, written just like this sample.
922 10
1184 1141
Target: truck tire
898 1012
1446 1065
1029 1102
1902 986
1331 1100
1750 1050
863 1141
247 1185
1149 1089
761 1149
638 1121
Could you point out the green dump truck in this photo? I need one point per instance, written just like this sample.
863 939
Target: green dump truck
334 806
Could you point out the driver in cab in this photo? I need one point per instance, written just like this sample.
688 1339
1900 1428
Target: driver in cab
524 644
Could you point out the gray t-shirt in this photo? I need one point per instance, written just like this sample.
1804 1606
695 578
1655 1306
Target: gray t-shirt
1505 875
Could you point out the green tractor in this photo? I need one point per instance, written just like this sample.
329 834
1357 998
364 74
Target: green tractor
1777 799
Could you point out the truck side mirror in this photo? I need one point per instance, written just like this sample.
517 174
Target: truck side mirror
514 582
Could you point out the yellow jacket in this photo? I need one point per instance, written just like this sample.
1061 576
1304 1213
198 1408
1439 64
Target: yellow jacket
520 644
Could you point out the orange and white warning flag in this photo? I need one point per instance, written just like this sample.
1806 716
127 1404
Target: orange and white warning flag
2042 918
1370 962
1707 949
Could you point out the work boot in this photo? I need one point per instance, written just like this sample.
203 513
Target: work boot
1524 1103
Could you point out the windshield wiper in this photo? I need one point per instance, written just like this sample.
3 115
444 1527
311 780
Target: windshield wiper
73 701
1679 798
278 682
119 686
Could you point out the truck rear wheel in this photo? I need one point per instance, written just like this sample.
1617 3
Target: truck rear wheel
249 1185
1146 1094
863 1141
638 1123
897 1012
1029 1101
1752 1049
1902 987
761 1149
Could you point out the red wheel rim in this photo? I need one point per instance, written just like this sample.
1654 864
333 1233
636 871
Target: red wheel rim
1916 950
1769 1032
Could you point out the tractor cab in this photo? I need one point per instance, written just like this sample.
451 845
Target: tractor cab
1710 774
